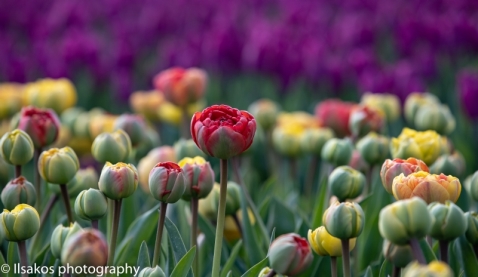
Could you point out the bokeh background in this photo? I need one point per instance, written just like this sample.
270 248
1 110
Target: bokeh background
298 52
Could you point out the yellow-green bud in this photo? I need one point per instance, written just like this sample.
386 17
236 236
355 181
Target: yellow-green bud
59 236
449 164
152 272
133 125
58 166
449 221
433 269
290 254
398 255
324 244
287 139
472 227
314 139
405 219
265 111
16 147
471 186
19 224
85 248
346 182
416 101
233 198
18 191
111 147
267 270
435 117
118 181
337 151
69 116
91 204
187 148
344 220
374 148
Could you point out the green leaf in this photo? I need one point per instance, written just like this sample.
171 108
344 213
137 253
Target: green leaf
232 258
255 270
175 239
283 218
251 241
386 269
41 255
369 272
273 236
320 204
427 251
466 256
143 256
184 265
12 257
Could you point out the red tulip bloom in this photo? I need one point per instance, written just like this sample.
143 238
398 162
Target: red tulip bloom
223 132
42 125
335 114
393 168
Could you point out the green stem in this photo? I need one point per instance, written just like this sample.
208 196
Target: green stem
159 234
94 224
66 201
216 263
109 223
271 273
396 271
443 250
36 157
194 233
333 266
346 257
22 249
417 251
48 208
114 232
18 171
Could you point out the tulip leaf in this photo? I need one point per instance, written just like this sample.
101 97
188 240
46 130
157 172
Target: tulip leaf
427 251
466 256
251 242
255 270
12 257
184 264
2 259
283 218
210 234
143 256
273 236
175 239
41 255
320 204
386 269
369 272
232 258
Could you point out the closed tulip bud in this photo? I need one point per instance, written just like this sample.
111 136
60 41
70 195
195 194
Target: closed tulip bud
91 204
449 221
325 244
287 139
374 148
403 220
172 114
435 117
335 114
100 122
405 148
393 168
199 177
18 191
344 220
266 270
388 104
365 119
429 187
265 111
233 197
43 126
81 126
290 254
118 181
314 139
471 185
85 248
58 166
155 156
398 255
415 102
337 151
472 227
449 164
69 117
19 224
346 183
167 182
152 272
147 103
16 147
187 148
425 146
433 269
150 140
60 235
357 162
133 125
111 147
56 94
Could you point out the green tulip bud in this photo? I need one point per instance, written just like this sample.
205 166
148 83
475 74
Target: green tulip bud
399 255
405 219
313 140
472 227
58 166
290 254
287 139
152 272
167 182
118 181
346 182
91 204
337 151
265 112
433 269
233 198
187 148
69 116
150 141
84 179
374 148
81 127
415 102
18 191
5 170
471 186
16 147
449 221
133 125
111 147
435 117
265 271
344 220
449 164
59 236
19 224
85 248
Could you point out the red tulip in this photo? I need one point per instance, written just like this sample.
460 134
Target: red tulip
335 114
181 86
223 132
42 125
393 168
365 119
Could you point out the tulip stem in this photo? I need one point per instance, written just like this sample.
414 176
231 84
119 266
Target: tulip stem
396 271
293 170
443 250
311 173
36 157
346 257
66 200
94 224
333 266
216 263
159 234
18 171
271 273
48 208
185 124
114 232
22 249
417 251
194 233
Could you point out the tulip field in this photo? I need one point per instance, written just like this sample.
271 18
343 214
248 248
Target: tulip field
254 139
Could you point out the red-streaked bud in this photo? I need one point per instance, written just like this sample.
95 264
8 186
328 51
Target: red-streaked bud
199 177
118 181
42 125
166 182
290 254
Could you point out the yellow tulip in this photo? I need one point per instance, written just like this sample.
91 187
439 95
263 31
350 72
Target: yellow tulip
426 146
325 244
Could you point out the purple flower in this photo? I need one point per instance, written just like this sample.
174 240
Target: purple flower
467 85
